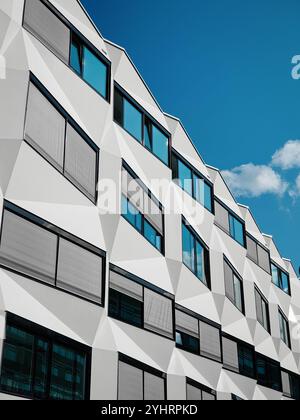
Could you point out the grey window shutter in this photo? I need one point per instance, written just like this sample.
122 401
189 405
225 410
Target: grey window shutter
153 214
79 271
238 293
158 313
48 28
133 191
28 248
80 163
286 384
130 383
230 355
187 324
229 286
264 259
45 127
193 393
207 396
127 287
154 388
210 342
259 310
221 216
252 249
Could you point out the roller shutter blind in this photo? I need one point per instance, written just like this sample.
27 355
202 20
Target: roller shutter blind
45 127
187 324
133 190
28 248
154 387
80 162
158 313
221 216
210 342
229 285
264 259
130 383
127 287
48 28
252 249
230 355
286 384
193 393
79 271
259 309
208 397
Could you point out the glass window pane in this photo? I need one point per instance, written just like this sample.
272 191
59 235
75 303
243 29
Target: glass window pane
133 120
237 230
95 72
238 293
188 243
131 214
75 58
62 373
41 368
187 342
199 193
16 372
207 197
152 236
200 252
160 145
80 377
148 134
275 275
285 282
125 308
185 177
265 315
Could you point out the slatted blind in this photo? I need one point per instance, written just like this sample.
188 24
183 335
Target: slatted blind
28 248
154 387
230 355
193 393
207 396
153 214
48 28
221 216
187 324
79 271
80 162
127 287
252 249
130 383
229 285
45 127
264 259
210 342
259 309
286 384
158 313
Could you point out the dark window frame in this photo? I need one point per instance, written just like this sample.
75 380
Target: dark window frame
145 285
281 271
198 239
204 320
201 387
176 156
239 277
84 40
236 217
60 233
145 116
144 368
68 120
265 300
156 201
268 363
285 319
52 337
258 244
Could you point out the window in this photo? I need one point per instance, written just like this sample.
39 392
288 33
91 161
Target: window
268 373
35 248
281 279
141 209
228 222
284 329
195 255
197 336
236 398
142 307
129 115
262 310
55 136
258 254
39 364
286 384
238 357
138 382
233 286
192 182
55 32
197 392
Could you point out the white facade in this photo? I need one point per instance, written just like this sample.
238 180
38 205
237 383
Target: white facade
31 182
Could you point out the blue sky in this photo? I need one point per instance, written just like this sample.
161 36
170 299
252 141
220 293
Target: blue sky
224 68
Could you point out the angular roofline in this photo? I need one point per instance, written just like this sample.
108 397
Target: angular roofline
89 18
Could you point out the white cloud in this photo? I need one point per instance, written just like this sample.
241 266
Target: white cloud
255 180
288 157
295 191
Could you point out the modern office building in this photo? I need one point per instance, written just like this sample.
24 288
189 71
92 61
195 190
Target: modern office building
113 285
